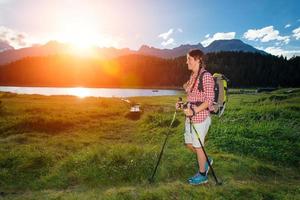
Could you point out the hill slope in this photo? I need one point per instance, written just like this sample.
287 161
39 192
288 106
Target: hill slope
69 148
53 48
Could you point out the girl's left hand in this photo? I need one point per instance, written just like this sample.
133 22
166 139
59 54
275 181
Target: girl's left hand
188 112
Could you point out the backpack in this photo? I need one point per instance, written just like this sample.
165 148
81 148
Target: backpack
220 89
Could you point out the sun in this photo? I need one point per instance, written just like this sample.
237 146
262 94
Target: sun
80 34
83 29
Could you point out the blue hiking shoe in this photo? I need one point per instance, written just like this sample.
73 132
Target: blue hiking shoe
190 179
207 166
199 179
206 169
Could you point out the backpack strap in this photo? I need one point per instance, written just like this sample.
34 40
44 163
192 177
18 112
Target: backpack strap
200 85
192 88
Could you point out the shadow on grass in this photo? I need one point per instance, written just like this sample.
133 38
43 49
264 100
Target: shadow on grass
39 124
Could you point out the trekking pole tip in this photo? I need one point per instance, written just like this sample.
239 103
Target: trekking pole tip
219 183
151 180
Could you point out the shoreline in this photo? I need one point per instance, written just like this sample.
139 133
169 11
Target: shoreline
96 87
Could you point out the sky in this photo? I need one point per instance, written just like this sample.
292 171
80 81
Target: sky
269 25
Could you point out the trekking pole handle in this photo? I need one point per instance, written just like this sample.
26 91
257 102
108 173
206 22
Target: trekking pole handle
181 104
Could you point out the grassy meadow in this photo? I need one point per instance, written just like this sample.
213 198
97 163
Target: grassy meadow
64 147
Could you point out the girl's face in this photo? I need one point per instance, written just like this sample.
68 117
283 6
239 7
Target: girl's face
192 63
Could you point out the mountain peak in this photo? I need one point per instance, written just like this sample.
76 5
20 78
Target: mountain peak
145 47
231 45
55 47
53 44
222 42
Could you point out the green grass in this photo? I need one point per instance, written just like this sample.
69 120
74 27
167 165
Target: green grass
63 147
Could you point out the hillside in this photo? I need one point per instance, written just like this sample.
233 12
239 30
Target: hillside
62 147
53 47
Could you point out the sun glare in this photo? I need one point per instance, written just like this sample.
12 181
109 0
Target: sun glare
82 33
82 28
79 92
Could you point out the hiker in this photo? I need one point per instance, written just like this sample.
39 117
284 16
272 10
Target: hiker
198 112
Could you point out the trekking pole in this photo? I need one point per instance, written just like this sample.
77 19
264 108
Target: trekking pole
151 180
212 170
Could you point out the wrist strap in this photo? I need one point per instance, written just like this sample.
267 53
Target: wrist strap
193 110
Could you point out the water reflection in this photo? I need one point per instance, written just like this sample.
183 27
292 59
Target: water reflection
79 92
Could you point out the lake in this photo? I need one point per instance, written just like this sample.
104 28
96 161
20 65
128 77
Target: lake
89 92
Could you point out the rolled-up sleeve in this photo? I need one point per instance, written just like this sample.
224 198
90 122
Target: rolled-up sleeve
208 88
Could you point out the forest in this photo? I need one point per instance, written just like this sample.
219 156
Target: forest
140 71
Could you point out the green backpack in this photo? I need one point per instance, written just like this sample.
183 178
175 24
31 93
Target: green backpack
221 92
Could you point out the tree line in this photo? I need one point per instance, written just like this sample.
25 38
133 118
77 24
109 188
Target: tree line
243 70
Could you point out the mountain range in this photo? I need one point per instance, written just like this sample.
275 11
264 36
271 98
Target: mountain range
8 54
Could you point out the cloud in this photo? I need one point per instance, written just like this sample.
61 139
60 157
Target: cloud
4 46
265 34
278 51
296 33
277 43
207 35
218 36
13 38
288 25
259 47
166 37
166 34
168 42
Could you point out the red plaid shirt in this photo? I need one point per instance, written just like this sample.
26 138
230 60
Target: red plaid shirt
207 95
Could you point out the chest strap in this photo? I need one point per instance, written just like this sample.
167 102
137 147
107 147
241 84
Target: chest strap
196 103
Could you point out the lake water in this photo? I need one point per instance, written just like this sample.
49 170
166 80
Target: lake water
89 92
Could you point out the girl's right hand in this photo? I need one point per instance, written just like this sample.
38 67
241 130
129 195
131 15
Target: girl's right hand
177 106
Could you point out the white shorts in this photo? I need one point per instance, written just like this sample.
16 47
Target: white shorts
202 129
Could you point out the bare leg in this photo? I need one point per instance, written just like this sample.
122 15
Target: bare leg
190 146
201 159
